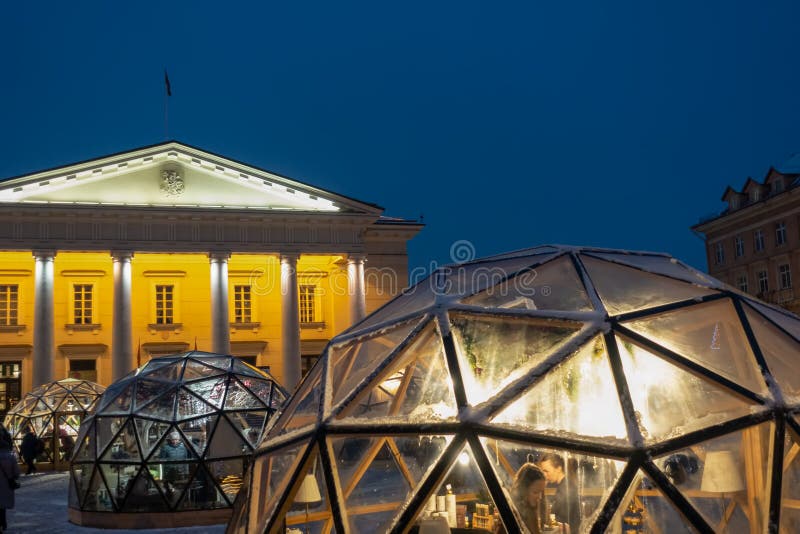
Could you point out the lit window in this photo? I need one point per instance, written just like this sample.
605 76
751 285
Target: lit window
758 240
308 307
780 233
785 275
9 295
741 282
164 304
739 242
242 307
82 303
763 284
720 253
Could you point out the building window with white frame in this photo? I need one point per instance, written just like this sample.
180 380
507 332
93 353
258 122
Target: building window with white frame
82 304
739 246
165 304
309 307
242 304
763 283
780 233
785 276
9 305
741 283
758 240
720 253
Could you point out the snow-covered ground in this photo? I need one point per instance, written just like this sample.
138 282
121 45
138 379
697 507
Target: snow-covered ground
41 506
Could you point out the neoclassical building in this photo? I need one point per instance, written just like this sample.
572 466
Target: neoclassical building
107 263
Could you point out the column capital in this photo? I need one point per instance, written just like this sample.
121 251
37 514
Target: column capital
356 257
44 254
219 255
289 257
121 255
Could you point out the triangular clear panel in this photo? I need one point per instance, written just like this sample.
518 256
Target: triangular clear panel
552 286
240 398
264 390
709 334
87 444
81 477
355 361
495 351
475 277
657 264
670 401
303 410
578 397
645 508
98 498
226 441
780 352
120 478
197 432
124 447
195 370
790 492
250 424
146 391
243 368
784 319
169 373
211 390
145 495
202 493
107 428
172 479
579 484
640 291
190 405
385 467
220 362
161 408
712 476
228 475
173 448
463 485
150 433
311 507
272 473
415 387
75 475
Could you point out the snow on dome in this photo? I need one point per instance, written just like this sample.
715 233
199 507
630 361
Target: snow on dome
661 399
54 412
173 436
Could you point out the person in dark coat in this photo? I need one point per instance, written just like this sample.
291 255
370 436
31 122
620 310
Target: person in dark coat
566 501
9 470
28 450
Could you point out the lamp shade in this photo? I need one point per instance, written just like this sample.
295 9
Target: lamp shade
721 473
309 491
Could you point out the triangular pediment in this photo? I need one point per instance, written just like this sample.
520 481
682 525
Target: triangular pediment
174 175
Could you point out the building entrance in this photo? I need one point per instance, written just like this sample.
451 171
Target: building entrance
10 385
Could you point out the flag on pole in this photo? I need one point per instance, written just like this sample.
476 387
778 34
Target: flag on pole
139 354
195 342
166 83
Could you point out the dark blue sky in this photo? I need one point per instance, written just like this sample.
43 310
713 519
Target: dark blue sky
506 124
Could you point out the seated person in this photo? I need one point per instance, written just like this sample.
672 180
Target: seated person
566 503
528 494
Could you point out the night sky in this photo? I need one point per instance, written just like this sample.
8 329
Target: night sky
504 124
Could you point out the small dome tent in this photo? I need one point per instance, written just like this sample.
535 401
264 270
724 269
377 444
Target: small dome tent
171 439
668 401
54 412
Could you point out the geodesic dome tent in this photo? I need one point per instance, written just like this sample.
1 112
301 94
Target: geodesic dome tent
670 399
172 436
54 412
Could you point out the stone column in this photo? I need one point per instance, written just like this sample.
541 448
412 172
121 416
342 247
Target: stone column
121 329
355 287
290 321
43 340
220 318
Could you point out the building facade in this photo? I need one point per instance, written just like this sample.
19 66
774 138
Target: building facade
754 244
107 263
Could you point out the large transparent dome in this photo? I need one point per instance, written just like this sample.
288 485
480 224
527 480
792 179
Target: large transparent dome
662 400
173 436
54 413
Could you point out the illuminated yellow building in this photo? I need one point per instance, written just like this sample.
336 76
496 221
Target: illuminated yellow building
107 263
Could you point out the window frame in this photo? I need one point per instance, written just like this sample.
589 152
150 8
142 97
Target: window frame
763 282
780 233
784 276
758 240
738 246
742 283
8 320
720 253
247 315
73 303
